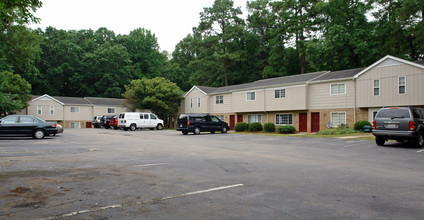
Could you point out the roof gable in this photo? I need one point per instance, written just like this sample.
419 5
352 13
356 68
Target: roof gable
199 88
45 97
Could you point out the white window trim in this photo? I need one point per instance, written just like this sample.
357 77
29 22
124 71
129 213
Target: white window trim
114 110
250 96
76 107
337 88
373 87
52 109
191 103
399 85
256 121
39 109
285 94
198 103
75 123
331 118
283 114
219 99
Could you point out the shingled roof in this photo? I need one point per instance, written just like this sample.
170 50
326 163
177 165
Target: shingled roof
105 101
341 74
84 101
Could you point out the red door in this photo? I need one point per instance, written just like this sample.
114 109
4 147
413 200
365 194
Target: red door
239 118
88 124
232 121
303 122
315 122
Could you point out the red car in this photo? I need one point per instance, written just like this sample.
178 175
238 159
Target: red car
114 122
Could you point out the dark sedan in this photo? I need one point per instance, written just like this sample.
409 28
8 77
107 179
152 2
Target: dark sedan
13 125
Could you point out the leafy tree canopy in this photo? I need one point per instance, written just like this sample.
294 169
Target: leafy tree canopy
14 92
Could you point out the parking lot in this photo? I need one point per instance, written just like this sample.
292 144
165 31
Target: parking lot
115 174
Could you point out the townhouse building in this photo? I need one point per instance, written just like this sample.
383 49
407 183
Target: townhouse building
73 112
314 101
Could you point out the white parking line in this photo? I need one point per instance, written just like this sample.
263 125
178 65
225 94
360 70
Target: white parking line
420 151
150 165
138 203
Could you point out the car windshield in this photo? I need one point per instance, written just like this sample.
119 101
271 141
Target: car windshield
39 119
393 113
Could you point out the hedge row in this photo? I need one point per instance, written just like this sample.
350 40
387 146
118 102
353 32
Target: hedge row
268 127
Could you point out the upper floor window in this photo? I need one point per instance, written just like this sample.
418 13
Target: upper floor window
402 85
198 102
111 110
280 93
376 87
337 89
52 110
39 110
75 109
191 103
251 96
219 99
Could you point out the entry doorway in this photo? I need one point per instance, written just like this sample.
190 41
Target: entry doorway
303 122
88 124
232 121
314 121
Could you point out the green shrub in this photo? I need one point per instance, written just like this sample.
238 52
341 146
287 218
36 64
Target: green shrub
337 131
255 126
359 126
240 126
269 127
286 129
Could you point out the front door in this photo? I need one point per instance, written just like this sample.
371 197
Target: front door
314 121
303 122
232 121
239 118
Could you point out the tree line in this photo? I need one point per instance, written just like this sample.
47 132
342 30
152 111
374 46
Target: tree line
277 38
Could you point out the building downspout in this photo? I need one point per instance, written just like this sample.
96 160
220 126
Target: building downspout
354 100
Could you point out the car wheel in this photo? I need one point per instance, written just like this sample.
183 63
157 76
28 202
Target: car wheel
125 129
116 128
420 140
212 132
38 134
159 127
185 132
224 129
133 127
196 130
380 140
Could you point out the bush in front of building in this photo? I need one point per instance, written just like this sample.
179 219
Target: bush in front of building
269 127
240 127
337 131
359 125
255 126
286 129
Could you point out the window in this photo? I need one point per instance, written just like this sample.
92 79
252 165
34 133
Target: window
27 119
254 118
111 110
75 109
337 89
152 116
376 87
250 96
191 103
402 85
280 93
39 110
221 117
219 99
284 119
198 102
75 125
214 119
338 118
146 116
52 110
10 120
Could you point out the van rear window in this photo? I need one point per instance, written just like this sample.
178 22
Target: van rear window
393 113
183 117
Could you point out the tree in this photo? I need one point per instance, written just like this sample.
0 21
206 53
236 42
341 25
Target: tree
14 92
18 11
158 94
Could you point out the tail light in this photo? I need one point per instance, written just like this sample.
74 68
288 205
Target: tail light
188 123
54 125
374 125
411 126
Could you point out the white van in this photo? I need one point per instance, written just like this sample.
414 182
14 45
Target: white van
134 120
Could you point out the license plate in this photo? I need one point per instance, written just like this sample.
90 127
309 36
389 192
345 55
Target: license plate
181 126
391 126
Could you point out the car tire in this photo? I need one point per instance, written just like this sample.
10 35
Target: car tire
212 132
38 134
380 140
420 140
185 132
196 131
133 127
116 128
224 130
159 127
125 129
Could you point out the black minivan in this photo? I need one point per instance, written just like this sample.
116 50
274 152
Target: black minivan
197 123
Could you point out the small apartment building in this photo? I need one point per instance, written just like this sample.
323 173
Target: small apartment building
314 101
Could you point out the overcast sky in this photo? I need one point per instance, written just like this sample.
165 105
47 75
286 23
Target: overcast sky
169 20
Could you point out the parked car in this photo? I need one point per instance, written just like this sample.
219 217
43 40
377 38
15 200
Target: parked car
114 122
23 125
197 123
96 121
134 120
399 123
104 122
59 129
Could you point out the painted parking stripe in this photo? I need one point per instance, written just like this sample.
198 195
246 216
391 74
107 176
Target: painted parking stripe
141 202
420 151
150 165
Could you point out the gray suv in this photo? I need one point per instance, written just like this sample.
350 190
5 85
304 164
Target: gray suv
400 124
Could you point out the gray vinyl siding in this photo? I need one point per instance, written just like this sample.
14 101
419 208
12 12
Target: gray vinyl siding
321 98
295 99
